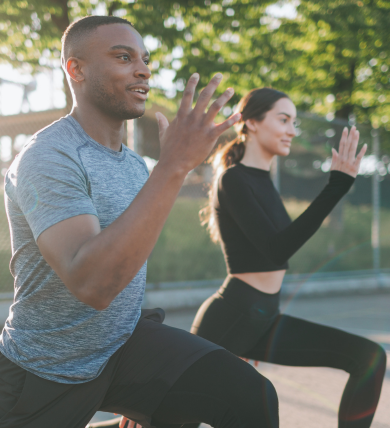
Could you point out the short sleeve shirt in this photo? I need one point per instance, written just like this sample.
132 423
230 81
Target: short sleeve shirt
62 173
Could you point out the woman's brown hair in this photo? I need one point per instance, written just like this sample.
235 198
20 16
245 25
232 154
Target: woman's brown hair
254 105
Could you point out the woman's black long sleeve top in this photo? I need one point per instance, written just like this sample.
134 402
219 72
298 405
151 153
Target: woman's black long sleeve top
256 232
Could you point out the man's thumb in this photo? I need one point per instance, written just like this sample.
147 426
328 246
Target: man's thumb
162 123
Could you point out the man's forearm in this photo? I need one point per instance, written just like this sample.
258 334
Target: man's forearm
105 264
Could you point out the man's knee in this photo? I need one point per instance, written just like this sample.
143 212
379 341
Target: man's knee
252 397
258 402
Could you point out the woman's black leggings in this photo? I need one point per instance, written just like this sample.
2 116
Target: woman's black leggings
247 322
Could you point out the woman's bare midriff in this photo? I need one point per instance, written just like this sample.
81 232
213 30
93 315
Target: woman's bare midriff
267 282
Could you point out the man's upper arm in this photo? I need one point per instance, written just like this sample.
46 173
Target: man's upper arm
52 193
60 243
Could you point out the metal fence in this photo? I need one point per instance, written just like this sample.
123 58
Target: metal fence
354 236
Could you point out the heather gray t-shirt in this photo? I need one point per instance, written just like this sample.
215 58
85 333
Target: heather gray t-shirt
62 173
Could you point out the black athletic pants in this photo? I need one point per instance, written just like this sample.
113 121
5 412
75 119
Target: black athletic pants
247 322
218 389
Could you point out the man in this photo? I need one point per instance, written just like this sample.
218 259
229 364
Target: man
84 217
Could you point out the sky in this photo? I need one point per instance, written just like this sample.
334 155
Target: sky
49 83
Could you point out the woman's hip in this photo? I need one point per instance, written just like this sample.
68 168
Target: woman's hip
236 316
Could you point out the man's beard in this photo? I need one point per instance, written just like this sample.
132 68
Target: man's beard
110 105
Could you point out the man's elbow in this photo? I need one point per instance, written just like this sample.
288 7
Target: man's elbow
92 297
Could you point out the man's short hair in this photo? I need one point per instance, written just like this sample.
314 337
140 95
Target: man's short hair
72 39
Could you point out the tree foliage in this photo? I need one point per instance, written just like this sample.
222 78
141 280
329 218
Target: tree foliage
332 58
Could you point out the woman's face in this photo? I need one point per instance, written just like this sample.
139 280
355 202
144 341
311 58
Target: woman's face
276 131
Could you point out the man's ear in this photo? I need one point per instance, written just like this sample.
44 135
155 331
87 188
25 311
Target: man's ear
74 69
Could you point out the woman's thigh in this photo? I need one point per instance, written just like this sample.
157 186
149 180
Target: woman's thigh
229 326
296 342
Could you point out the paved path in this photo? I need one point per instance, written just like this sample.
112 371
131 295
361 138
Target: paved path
309 397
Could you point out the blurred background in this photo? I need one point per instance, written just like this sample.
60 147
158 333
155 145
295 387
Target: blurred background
331 57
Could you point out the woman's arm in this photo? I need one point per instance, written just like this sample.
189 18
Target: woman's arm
250 216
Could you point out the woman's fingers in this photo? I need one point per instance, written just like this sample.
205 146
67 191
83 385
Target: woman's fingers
360 155
352 143
335 155
188 95
343 141
346 160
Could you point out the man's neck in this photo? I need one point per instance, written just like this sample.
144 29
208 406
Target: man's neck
106 131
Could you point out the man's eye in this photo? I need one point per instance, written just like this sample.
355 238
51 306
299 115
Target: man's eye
125 57
147 61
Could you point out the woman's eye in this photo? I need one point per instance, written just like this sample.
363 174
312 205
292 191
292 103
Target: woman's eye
284 120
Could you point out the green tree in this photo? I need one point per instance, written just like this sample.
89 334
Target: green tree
332 58
30 31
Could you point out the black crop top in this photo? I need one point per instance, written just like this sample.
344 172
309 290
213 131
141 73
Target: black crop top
256 232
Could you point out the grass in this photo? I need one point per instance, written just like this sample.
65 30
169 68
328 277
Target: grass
184 251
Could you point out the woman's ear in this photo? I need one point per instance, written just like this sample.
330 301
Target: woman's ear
250 124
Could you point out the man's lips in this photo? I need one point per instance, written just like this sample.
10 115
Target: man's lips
139 91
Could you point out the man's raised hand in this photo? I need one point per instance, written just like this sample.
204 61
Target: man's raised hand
190 137
346 160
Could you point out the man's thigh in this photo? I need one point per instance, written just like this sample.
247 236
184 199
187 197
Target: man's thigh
133 383
28 401
149 364
222 391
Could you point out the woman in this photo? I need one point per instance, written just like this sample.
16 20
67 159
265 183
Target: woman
247 216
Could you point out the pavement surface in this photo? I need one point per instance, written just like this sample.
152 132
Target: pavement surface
309 397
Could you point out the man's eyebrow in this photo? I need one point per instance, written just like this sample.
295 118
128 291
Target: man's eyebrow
127 48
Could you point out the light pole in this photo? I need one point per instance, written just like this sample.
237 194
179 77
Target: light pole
376 203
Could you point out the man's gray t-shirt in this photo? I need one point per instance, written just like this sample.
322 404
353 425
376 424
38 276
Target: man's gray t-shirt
60 174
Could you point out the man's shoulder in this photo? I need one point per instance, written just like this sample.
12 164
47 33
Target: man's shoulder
60 134
58 141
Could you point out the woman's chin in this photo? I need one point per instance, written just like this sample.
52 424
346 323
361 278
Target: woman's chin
284 152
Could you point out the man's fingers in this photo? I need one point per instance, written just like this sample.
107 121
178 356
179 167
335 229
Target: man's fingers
222 127
162 123
219 103
188 94
207 93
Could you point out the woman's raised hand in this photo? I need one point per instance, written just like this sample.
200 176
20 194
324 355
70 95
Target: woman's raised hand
346 159
190 137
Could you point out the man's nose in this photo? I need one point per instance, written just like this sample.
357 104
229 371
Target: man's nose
142 70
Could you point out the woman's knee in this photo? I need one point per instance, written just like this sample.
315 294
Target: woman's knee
370 357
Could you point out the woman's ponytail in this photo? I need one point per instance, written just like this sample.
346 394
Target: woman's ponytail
254 105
